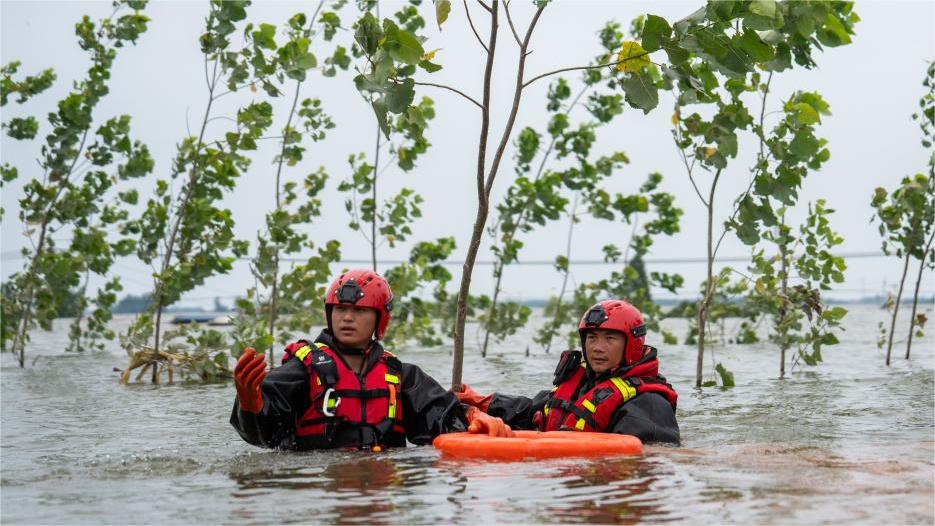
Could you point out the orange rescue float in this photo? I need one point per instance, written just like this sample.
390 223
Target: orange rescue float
537 445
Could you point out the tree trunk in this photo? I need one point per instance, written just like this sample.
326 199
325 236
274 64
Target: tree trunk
484 186
899 295
709 289
784 272
275 289
481 216
19 339
170 245
373 222
561 293
915 294
493 306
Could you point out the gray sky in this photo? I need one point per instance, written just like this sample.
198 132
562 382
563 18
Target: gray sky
872 85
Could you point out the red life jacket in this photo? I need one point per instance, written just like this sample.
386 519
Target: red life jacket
345 409
594 410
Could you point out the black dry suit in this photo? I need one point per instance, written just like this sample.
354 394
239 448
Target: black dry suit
646 414
307 401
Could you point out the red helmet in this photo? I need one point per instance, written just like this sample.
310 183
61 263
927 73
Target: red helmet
363 288
617 316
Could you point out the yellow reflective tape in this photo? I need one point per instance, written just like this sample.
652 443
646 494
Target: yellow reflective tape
579 425
331 403
317 379
320 345
627 390
589 406
392 411
391 378
303 352
545 410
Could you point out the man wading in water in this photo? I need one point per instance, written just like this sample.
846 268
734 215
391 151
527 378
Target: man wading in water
344 389
616 389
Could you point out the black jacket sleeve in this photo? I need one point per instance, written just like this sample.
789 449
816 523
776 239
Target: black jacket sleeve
428 408
517 411
285 399
648 417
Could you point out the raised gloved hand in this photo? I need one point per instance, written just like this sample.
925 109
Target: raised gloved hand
471 397
480 422
248 375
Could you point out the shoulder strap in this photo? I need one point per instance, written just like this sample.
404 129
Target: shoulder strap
567 365
324 365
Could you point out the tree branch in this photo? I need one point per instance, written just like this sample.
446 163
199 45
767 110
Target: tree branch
527 83
509 19
485 6
688 168
471 22
442 86
517 95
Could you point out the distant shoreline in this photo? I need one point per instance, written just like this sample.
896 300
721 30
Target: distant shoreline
540 303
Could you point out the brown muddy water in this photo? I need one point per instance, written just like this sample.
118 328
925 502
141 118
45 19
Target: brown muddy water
847 441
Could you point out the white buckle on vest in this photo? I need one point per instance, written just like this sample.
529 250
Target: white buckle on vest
324 403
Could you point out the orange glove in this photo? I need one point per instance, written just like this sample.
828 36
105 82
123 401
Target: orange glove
471 397
480 422
248 375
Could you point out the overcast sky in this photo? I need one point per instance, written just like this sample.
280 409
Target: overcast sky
872 85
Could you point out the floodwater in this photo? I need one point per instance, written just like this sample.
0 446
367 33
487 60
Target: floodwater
849 440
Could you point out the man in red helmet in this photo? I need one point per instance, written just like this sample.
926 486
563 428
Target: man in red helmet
344 389
616 388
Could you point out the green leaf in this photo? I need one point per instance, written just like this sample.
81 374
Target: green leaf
765 8
22 128
399 96
836 313
656 32
264 37
442 8
751 44
379 109
727 377
368 33
641 92
805 113
833 33
402 45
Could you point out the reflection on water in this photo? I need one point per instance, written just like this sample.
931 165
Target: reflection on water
848 441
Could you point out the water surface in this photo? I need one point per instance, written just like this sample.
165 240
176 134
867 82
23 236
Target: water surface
847 441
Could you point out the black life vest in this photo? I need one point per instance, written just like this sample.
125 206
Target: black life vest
347 410
594 410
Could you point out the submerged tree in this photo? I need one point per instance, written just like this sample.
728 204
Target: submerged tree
288 306
392 52
787 153
187 235
905 218
393 48
79 168
538 197
711 54
926 118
